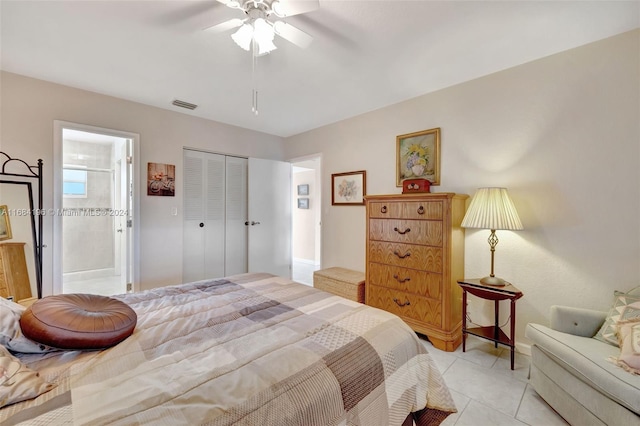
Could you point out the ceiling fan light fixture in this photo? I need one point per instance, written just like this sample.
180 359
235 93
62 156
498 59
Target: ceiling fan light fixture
243 36
263 34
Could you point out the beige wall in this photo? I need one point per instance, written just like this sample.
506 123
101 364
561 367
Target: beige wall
562 133
29 108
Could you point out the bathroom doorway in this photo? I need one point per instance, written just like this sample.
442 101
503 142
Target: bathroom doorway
94 214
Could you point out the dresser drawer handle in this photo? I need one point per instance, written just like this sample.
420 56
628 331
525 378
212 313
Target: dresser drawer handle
406 302
383 209
401 280
402 232
402 256
420 210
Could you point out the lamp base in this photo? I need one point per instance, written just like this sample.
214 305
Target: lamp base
499 282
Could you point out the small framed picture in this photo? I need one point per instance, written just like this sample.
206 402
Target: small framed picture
303 189
348 189
5 225
303 203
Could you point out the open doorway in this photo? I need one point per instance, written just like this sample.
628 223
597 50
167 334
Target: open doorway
94 211
306 218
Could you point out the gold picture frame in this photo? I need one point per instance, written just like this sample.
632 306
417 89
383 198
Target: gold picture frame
5 224
418 156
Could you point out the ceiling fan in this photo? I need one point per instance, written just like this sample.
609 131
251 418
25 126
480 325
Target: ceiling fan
257 31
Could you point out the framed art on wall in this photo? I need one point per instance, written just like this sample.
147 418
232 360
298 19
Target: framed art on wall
303 189
418 156
161 179
348 189
303 203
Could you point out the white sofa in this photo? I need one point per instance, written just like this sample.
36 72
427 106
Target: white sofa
571 372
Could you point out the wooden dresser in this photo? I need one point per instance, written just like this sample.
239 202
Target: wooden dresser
415 255
14 277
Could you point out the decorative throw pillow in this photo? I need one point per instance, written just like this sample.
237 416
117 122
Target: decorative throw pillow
629 341
10 332
626 306
17 381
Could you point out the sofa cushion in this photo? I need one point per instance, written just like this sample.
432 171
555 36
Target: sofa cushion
625 306
587 359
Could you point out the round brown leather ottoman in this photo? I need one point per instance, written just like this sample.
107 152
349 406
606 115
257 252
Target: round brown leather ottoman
78 321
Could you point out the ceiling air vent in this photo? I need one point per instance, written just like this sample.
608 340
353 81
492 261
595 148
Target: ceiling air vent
183 104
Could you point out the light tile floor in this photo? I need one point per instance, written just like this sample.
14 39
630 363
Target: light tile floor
302 272
485 389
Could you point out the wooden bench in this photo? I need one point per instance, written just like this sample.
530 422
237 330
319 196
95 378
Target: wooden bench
341 282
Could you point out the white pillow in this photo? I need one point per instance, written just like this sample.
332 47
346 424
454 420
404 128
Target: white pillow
11 335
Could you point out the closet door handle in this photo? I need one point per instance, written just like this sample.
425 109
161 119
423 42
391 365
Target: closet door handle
201 225
401 280
402 232
405 303
402 256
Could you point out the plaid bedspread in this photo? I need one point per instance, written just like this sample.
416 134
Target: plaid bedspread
252 349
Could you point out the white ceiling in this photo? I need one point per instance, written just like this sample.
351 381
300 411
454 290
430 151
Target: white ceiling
366 54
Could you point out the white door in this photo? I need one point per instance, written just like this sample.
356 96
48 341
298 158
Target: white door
270 217
236 215
204 216
123 219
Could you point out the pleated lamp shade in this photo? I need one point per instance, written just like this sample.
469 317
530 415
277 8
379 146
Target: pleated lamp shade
492 208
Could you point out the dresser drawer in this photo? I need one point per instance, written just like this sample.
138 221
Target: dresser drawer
406 255
432 210
427 232
405 304
408 280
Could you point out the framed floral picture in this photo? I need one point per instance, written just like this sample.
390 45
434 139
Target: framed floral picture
348 189
418 156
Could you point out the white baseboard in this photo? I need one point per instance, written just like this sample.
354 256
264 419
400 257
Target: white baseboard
523 348
69 277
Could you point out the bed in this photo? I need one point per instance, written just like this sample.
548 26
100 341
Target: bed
251 349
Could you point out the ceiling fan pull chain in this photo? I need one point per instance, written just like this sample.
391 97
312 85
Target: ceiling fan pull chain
254 108
254 58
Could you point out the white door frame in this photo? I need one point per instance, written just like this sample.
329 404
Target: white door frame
58 127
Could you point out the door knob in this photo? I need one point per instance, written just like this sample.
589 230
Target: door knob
254 223
201 225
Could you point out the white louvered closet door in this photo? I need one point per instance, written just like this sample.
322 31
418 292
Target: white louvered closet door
204 216
236 215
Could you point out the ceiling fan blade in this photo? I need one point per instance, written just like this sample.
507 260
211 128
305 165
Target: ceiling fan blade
284 8
225 26
292 34
231 3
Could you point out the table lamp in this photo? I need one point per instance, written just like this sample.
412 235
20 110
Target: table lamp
491 208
